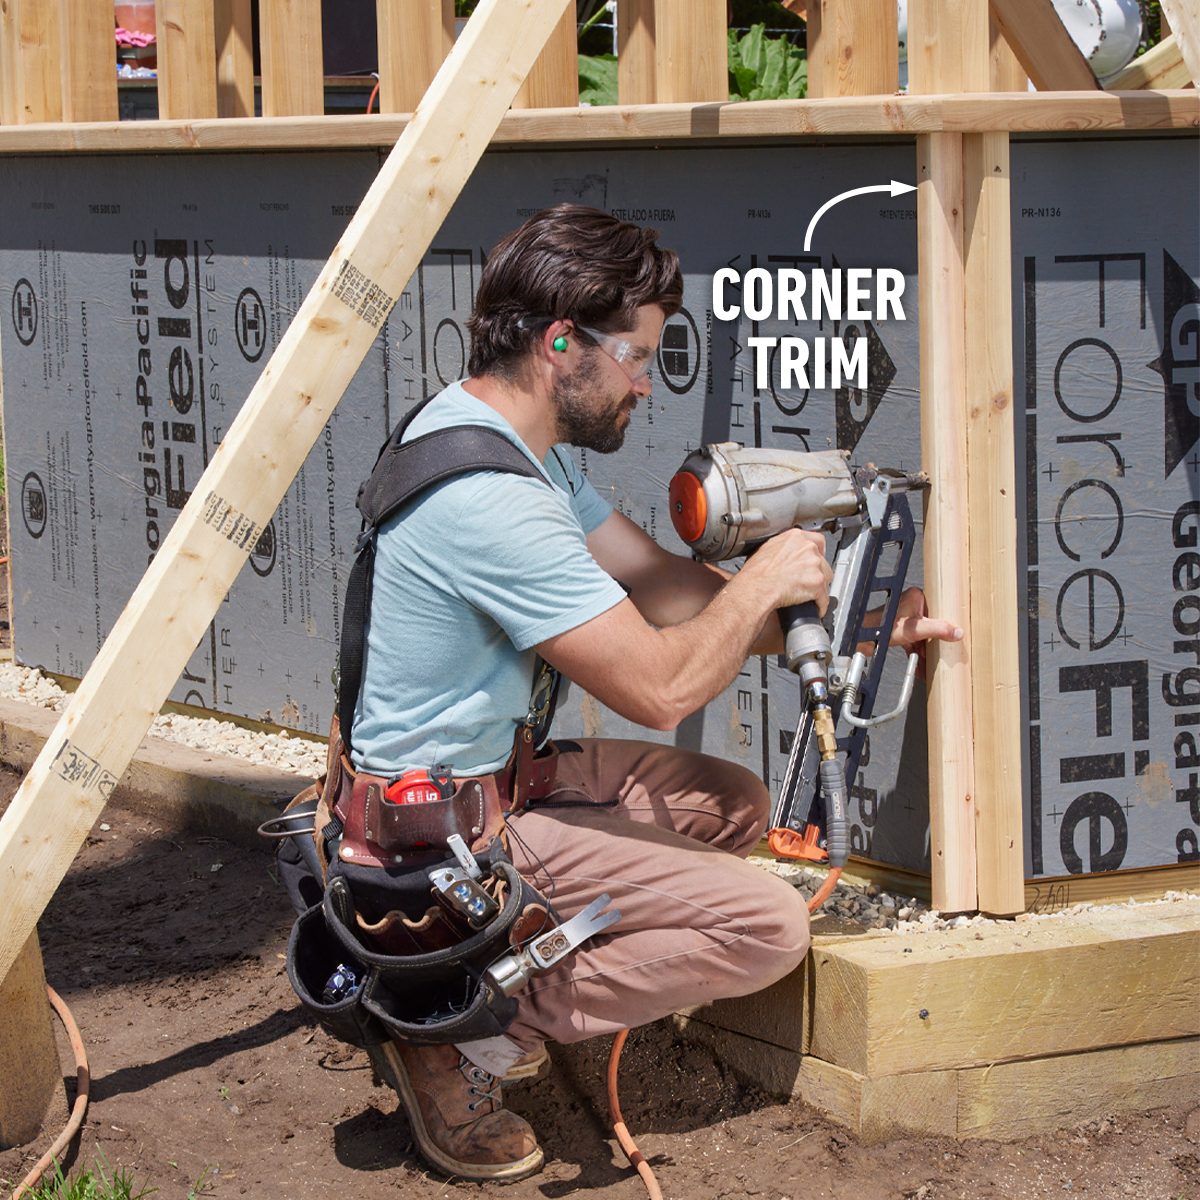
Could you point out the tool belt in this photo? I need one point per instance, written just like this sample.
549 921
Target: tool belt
413 922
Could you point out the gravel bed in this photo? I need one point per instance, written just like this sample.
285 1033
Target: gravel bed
301 755
870 906
876 908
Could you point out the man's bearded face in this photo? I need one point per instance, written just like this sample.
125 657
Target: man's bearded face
590 411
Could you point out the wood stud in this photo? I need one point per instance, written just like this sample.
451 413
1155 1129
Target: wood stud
235 59
554 80
1041 43
635 52
1161 67
1183 18
852 48
293 75
9 62
414 38
948 51
187 59
38 61
691 60
29 1069
89 75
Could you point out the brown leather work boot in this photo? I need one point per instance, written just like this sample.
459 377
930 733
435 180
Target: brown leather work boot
458 1120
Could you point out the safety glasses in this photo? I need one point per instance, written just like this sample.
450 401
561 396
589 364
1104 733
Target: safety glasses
634 361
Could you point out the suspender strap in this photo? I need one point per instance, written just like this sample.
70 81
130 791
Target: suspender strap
402 472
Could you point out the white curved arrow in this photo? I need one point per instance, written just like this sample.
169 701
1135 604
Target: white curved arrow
895 188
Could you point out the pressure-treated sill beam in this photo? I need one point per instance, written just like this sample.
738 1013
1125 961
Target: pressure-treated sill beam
1042 112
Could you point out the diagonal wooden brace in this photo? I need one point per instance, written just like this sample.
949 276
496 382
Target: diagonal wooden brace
235 497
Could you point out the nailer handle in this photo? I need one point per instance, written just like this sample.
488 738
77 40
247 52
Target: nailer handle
805 636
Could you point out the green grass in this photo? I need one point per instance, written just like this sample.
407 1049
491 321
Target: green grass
95 1184
103 1183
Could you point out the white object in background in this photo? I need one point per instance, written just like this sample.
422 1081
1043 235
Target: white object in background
1107 32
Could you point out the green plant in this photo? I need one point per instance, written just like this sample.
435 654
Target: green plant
95 1184
598 78
204 1186
765 68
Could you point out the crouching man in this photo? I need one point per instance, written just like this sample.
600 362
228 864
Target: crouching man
490 574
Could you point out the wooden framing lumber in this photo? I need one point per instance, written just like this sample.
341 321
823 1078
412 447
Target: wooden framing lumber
1184 19
1160 67
554 80
948 46
39 61
414 38
29 1069
1053 894
293 74
187 59
235 59
89 75
852 48
9 40
635 51
766 120
1041 42
947 530
281 419
691 58
991 502
1007 74
948 50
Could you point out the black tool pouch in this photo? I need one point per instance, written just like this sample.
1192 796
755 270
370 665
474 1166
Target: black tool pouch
430 994
441 994
300 870
314 956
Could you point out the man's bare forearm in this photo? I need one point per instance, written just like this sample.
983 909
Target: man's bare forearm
701 656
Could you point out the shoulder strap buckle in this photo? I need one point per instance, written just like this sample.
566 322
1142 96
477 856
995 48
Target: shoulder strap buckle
365 538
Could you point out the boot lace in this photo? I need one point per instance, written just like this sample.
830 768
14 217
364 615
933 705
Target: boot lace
483 1085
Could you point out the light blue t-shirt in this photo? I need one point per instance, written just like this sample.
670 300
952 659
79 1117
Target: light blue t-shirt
468 578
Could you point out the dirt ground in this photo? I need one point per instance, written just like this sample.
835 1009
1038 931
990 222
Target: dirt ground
168 948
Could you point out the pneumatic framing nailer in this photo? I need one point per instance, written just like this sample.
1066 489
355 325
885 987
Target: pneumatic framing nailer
725 501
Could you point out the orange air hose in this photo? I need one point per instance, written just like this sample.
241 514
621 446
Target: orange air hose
83 1083
635 1156
628 1145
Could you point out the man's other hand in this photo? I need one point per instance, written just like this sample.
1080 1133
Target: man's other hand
914 627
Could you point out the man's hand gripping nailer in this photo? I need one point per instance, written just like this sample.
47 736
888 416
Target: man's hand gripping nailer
726 500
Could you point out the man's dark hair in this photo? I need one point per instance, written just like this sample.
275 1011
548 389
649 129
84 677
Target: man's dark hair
569 262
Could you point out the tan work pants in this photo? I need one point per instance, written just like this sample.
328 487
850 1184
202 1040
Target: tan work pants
663 831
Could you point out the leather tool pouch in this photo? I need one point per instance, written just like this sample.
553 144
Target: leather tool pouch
360 873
